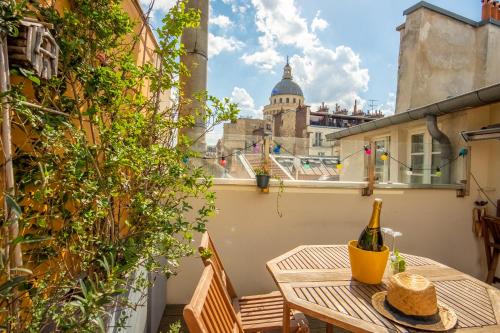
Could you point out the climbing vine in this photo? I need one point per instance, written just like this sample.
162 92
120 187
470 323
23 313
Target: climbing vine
103 190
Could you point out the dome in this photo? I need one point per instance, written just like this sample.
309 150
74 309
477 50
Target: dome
286 86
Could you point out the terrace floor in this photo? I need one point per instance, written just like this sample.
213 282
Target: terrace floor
173 313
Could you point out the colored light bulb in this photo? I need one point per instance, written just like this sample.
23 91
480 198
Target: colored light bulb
409 172
223 161
384 157
438 172
339 166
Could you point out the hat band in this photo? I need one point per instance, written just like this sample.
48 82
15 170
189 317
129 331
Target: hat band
430 319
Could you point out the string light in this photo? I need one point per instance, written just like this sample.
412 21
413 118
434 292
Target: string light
277 149
255 148
223 161
185 160
306 164
384 157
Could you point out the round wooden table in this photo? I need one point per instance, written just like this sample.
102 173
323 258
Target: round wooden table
316 279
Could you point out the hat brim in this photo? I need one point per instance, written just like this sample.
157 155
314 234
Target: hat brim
447 318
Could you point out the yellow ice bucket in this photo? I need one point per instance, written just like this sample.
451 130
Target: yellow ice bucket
367 266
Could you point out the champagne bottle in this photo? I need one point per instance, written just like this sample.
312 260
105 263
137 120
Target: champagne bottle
371 238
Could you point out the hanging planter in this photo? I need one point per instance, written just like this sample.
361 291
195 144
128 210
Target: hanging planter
263 181
262 177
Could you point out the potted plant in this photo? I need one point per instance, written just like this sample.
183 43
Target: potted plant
397 262
262 175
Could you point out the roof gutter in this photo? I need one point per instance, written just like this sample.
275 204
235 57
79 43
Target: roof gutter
483 96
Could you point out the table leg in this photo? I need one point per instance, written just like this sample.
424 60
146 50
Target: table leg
286 318
329 328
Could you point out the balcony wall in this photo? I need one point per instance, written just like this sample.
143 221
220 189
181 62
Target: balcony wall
248 232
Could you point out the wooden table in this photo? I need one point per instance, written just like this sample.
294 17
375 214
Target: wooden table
316 279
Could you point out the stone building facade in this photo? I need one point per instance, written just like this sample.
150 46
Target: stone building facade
443 54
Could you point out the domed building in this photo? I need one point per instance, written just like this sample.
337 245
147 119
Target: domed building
286 95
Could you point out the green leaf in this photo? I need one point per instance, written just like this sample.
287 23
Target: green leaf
27 239
7 286
13 206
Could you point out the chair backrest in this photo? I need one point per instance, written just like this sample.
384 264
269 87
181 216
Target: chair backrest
493 227
210 310
207 247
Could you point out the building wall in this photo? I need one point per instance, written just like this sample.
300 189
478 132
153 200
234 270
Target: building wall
434 223
326 147
240 133
485 155
441 56
272 108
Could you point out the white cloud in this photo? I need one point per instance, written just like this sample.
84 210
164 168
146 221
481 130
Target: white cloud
162 6
330 75
318 23
325 74
265 60
245 103
221 21
389 107
280 22
218 44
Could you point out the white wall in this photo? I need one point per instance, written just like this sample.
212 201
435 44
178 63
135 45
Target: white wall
248 232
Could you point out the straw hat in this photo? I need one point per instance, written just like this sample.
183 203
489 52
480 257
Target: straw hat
410 300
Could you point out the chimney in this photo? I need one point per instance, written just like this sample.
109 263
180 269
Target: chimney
497 11
493 9
486 9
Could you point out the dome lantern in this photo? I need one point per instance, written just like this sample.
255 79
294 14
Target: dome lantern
287 86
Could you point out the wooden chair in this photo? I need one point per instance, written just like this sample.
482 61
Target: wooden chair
210 310
258 312
491 236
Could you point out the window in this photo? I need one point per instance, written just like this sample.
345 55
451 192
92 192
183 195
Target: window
382 169
435 161
281 100
425 158
417 158
294 99
321 154
275 101
287 100
317 139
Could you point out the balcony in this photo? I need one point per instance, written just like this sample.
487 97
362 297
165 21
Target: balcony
252 227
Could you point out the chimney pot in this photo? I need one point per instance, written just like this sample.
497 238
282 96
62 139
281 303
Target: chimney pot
493 9
497 11
486 11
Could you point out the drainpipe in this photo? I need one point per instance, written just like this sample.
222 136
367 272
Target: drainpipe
444 142
195 42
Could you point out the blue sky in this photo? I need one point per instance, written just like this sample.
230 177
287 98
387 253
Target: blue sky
339 50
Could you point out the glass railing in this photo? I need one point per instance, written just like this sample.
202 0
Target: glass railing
381 161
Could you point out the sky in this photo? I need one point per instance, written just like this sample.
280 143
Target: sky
339 50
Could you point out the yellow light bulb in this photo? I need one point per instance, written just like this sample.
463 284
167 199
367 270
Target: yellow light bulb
384 157
339 166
